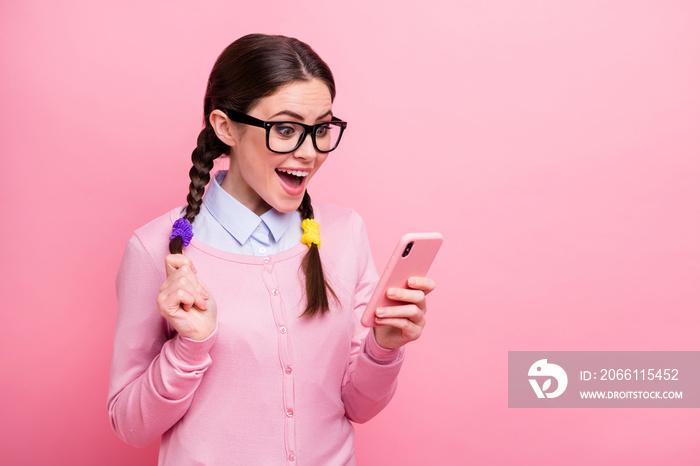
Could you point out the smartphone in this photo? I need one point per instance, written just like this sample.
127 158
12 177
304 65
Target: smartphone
412 257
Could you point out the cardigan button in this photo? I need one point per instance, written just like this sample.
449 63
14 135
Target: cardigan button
283 330
275 292
292 457
266 260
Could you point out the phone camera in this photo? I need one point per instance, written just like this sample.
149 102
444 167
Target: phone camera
407 250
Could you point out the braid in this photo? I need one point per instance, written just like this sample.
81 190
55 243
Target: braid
306 210
202 162
317 288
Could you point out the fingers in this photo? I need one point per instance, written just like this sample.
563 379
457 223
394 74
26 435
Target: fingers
415 297
392 314
409 320
180 292
400 324
181 288
173 262
407 330
170 301
424 284
418 288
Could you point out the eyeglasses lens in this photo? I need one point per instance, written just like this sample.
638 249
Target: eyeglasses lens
284 137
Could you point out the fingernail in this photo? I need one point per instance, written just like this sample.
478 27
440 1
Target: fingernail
412 281
392 292
204 293
379 312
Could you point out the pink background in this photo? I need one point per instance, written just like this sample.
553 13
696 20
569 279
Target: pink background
554 143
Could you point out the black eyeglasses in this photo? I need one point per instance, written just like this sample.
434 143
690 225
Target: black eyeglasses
283 137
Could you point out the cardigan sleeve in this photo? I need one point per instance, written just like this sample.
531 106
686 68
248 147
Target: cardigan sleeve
371 379
153 377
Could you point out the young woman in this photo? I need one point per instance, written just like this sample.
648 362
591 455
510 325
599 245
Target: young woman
256 355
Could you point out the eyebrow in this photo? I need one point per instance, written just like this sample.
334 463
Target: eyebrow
299 117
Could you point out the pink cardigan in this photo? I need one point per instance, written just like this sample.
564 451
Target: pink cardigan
268 387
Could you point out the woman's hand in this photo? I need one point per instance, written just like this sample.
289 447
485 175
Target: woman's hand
184 301
397 325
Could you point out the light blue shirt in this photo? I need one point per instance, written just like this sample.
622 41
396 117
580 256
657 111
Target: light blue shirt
226 224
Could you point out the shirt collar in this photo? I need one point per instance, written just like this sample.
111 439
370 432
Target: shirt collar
277 222
236 218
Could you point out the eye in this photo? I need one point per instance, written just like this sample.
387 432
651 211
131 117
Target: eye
322 130
285 131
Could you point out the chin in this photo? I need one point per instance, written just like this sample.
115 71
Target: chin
287 206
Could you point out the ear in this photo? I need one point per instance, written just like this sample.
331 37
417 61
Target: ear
225 130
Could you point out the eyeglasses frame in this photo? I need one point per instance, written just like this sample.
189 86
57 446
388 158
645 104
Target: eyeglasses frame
246 119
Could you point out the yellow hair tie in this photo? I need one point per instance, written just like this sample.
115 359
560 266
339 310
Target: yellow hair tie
311 234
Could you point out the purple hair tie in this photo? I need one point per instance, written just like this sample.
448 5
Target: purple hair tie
183 229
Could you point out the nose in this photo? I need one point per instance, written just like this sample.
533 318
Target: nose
306 151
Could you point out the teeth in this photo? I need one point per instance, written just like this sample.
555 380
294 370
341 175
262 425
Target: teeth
295 172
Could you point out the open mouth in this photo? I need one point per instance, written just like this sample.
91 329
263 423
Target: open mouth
292 178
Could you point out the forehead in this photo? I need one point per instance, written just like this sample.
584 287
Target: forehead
307 98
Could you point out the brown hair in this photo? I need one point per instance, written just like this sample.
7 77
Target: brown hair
252 68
